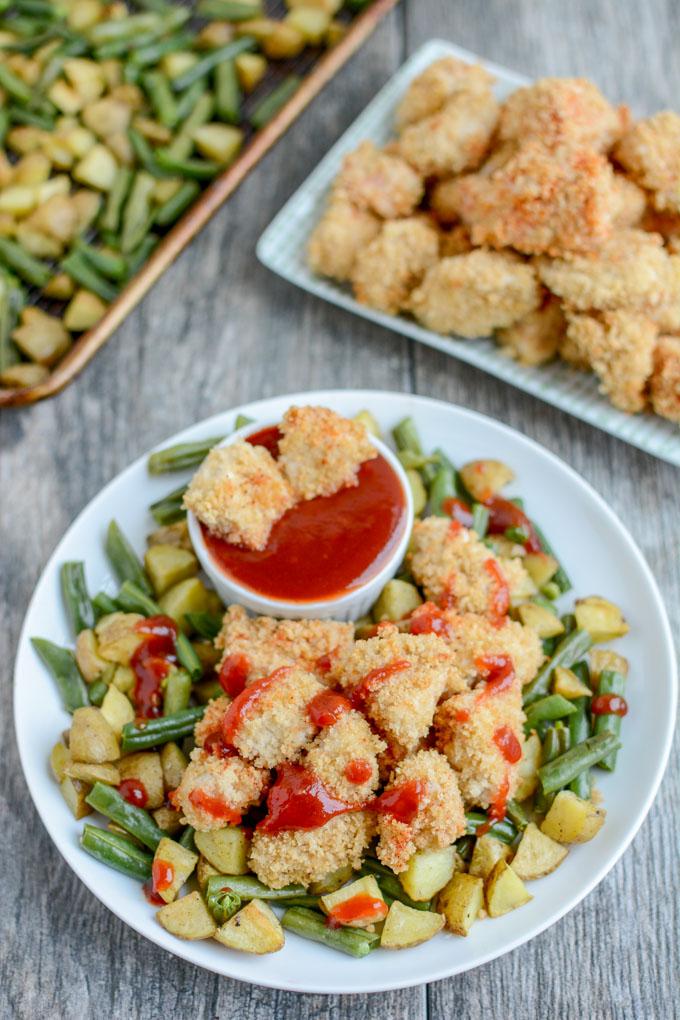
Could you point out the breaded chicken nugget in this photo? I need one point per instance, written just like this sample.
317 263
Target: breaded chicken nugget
239 492
345 758
562 111
629 203
535 339
665 382
338 237
455 138
665 223
619 347
378 181
215 792
473 294
321 452
440 819
308 855
650 152
456 241
387 270
473 636
438 83
444 201
210 726
631 270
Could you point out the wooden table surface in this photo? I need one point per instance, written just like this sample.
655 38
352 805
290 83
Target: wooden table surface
220 330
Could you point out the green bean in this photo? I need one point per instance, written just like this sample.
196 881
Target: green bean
551 591
312 925
207 64
464 847
390 884
517 815
207 625
110 218
228 10
571 649
4 125
137 258
241 421
207 690
177 692
187 838
96 692
516 535
166 728
124 560
553 706
442 489
160 95
549 645
138 822
30 269
550 750
146 156
32 118
103 605
503 830
181 456
173 208
250 888
55 64
227 93
108 264
146 56
125 28
62 665
117 852
195 107
14 85
222 902
76 598
169 509
569 623
560 772
132 599
611 682
38 8
270 106
196 169
579 728
561 577
137 215
12 301
480 519
83 273
405 435
540 600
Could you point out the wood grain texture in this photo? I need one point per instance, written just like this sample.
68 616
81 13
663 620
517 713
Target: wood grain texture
218 330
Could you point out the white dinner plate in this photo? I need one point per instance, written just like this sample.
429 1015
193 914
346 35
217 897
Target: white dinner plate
597 552
283 245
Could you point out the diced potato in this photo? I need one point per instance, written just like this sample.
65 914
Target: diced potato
84 311
91 738
57 216
332 882
87 205
168 820
180 861
163 191
366 886
120 145
171 534
485 478
118 637
187 918
258 28
89 773
25 138
60 287
461 901
601 618
117 709
167 565
396 601
59 185
335 33
250 70
8 225
90 662
112 71
602 659
284 42
173 763
41 337
78 141
150 129
65 98
428 871
97 168
86 78
487 852
123 679
418 491
541 567
542 620
567 684
33 168
504 891
226 849
571 819
107 117
22 374
18 199
130 95
83 14
254 929
537 854
42 246
60 759
204 870
312 22
219 142
527 771
174 64
74 793
145 766
524 588
330 6
190 596
208 655
217 33
405 927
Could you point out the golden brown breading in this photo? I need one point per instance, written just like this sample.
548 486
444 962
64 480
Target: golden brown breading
339 235
438 83
233 784
473 294
536 338
665 381
473 636
455 138
631 270
267 644
650 152
321 452
308 855
456 241
239 492
350 739
440 819
541 201
386 271
629 203
444 201
619 347
665 223
381 182
211 722
562 111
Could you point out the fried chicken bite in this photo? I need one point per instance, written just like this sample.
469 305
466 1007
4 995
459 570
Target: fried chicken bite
535 339
472 636
473 294
440 819
338 237
444 201
437 84
215 792
386 271
664 385
210 726
650 152
454 139
456 241
341 753
619 347
381 182
629 203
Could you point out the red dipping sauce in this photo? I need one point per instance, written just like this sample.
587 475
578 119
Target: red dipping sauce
325 547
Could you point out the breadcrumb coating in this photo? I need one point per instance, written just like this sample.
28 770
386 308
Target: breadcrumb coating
386 270
619 347
629 203
234 784
440 819
381 182
211 722
456 241
444 201
665 382
438 83
315 645
350 739
455 138
650 152
472 636
562 111
308 855
321 452
471 295
535 339
239 492
338 237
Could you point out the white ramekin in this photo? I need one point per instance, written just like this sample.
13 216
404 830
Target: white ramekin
350 606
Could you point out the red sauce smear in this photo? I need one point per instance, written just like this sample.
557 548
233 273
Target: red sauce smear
134 792
269 437
324 663
358 771
429 619
214 806
151 662
299 800
151 894
503 515
213 744
326 707
459 511
609 704
360 908
497 808
499 673
233 674
375 679
242 704
162 875
401 802
462 715
507 743
500 594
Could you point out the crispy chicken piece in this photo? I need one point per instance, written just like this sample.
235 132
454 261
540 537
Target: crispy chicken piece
665 223
444 201
535 339
562 111
472 636
378 181
438 83
619 347
211 723
215 792
387 270
338 749
338 237
570 352
650 152
456 241
665 381
473 294
239 492
440 819
629 203
321 452
455 138
631 270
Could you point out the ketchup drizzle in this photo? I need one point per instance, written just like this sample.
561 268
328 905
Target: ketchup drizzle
233 674
240 706
609 704
369 684
151 662
134 792
327 707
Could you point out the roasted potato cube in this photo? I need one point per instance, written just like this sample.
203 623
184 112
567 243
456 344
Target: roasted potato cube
97 168
284 42
487 852
329 6
145 766
217 33
226 849
537 854
204 870
312 22
42 246
118 637
542 620
60 287
91 738
541 567
601 618
396 601
25 138
428 871
485 478
254 929
504 890
332 882
87 205
58 217
41 337
566 683
219 142
104 773
86 78
190 596
123 679
60 759
174 863
602 659
167 565
90 662
405 927
23 374
258 28
174 64
83 14
173 762
84 311
117 709
168 820
363 887
188 918
571 819
33 168
171 534
74 793
65 98
250 70
107 116
527 772
461 901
